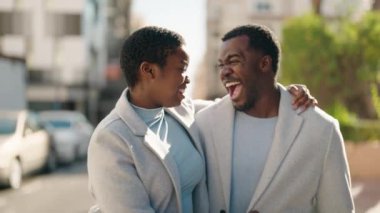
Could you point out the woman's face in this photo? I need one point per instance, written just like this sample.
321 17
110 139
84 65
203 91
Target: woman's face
171 80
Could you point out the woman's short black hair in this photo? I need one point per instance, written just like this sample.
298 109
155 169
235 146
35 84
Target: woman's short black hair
150 44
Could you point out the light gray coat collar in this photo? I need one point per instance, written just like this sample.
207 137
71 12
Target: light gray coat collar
223 136
287 128
126 112
137 125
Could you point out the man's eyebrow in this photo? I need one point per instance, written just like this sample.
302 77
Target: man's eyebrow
229 56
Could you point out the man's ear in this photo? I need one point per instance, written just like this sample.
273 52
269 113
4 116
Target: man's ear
146 70
266 63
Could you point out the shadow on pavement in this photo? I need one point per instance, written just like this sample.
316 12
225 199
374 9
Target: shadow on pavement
366 195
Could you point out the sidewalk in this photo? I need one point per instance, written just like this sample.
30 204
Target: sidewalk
366 195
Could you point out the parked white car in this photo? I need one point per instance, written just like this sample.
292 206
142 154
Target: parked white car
70 131
24 147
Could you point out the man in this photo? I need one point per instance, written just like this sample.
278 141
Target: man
261 156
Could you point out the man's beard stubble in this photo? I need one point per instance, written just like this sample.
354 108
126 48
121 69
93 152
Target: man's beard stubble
249 104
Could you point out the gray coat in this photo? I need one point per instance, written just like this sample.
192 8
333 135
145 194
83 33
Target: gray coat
129 171
306 168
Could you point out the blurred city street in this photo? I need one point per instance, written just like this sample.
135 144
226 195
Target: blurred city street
64 191
366 195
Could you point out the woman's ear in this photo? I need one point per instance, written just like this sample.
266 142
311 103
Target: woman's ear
146 70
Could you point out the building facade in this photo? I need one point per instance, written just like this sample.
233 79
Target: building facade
67 46
47 34
223 15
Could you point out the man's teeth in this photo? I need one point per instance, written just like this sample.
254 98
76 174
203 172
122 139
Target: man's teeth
229 84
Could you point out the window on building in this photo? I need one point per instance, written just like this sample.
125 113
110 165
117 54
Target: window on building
14 23
36 77
63 24
262 6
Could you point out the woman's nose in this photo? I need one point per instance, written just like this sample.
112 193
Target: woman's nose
187 80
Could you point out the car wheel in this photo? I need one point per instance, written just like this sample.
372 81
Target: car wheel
51 162
15 174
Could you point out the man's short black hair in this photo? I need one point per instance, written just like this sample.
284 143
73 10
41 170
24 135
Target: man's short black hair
260 38
150 44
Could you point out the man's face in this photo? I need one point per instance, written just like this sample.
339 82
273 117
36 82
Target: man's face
171 81
240 72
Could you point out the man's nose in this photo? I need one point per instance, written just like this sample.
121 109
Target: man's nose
225 71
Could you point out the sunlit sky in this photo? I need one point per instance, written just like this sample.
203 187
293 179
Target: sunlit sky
188 18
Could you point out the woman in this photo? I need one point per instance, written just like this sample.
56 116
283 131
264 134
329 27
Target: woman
144 156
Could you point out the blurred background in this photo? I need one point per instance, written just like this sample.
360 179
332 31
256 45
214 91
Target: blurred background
59 76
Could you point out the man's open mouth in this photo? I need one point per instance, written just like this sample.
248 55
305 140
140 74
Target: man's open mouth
233 88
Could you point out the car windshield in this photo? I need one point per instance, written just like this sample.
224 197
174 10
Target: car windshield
59 124
7 126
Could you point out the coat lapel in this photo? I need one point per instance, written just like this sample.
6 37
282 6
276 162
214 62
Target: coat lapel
162 151
222 133
151 140
186 120
287 128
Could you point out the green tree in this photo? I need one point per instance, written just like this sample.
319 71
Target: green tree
358 56
308 57
340 63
